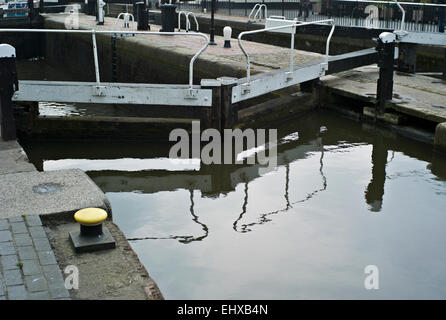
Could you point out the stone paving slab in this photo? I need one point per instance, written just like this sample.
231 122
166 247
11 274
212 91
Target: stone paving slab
29 272
13 159
263 57
41 193
415 95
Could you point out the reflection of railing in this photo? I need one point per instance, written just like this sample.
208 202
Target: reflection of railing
182 239
265 217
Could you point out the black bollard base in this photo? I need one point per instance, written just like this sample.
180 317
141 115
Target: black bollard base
86 241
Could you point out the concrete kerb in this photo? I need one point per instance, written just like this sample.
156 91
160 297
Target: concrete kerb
440 137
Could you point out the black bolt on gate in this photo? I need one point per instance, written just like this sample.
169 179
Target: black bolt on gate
386 59
8 84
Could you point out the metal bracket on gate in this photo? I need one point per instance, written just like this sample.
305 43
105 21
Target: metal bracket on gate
191 94
99 91
246 88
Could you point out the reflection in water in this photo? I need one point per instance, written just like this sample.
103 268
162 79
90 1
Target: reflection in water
182 239
309 249
264 218
375 190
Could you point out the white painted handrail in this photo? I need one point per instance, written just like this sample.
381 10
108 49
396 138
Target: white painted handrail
403 14
259 12
256 10
188 21
253 10
248 62
95 53
126 23
179 20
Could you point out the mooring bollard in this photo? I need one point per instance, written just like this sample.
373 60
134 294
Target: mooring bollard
168 17
92 235
8 84
227 32
142 16
91 7
100 12
386 59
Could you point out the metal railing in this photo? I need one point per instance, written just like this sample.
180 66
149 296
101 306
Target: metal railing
418 17
113 32
187 21
293 25
127 18
257 10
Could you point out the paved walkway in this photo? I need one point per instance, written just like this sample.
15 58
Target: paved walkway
413 94
28 267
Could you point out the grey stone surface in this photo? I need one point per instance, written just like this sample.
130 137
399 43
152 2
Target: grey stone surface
47 258
16 219
22 240
38 277
36 283
12 277
42 295
33 220
59 291
42 244
440 136
52 273
5 235
31 267
13 159
9 262
4 225
19 227
26 253
7 248
20 193
17 293
37 232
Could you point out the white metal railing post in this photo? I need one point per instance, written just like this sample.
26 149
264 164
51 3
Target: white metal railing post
252 11
95 55
179 20
292 51
327 45
188 21
403 14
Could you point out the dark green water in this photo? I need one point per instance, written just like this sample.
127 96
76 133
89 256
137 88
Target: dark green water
344 197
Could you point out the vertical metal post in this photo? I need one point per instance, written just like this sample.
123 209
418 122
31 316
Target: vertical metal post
246 8
8 84
386 56
212 28
229 112
95 56
229 3
100 8
292 52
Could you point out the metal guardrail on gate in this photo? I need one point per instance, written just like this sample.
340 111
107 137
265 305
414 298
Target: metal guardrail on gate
112 92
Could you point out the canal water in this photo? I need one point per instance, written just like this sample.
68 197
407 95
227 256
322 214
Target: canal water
344 196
